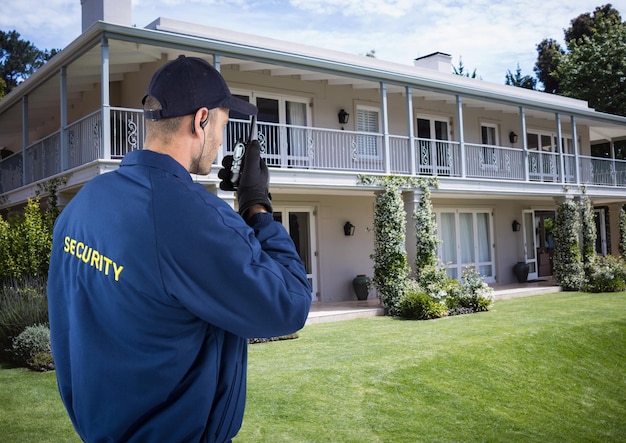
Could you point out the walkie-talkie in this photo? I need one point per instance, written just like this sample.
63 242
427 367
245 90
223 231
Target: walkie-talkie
239 151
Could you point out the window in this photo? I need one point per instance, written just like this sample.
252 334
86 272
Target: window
367 121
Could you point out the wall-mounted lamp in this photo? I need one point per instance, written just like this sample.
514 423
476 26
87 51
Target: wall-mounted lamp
512 137
516 226
348 229
343 117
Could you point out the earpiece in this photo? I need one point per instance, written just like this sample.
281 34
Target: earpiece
203 124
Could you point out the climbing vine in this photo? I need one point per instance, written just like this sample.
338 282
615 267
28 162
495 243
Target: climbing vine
391 269
568 267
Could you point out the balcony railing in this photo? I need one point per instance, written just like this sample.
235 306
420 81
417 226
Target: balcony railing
308 148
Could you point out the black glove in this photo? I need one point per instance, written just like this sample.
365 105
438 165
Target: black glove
254 180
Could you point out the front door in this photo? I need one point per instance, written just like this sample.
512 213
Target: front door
299 222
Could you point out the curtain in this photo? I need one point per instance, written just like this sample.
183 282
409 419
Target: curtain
447 233
296 137
466 224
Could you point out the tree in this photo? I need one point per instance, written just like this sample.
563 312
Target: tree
18 60
585 24
595 68
461 70
526 81
548 59
550 54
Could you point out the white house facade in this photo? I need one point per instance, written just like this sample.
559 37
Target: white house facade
503 156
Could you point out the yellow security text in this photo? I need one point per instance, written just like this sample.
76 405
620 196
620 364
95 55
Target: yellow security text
93 258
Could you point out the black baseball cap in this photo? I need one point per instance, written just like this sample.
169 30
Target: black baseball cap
187 84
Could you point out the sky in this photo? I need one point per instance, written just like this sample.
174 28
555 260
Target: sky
491 37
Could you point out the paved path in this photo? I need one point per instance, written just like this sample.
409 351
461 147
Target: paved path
348 310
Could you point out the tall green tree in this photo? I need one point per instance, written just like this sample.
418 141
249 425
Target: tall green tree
582 30
595 68
585 25
519 80
18 60
549 56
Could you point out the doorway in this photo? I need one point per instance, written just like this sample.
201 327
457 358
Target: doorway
300 224
539 242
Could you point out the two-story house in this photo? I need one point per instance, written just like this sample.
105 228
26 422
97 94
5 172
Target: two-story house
504 156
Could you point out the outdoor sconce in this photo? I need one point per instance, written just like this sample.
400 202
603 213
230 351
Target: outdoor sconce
513 137
348 229
343 117
516 226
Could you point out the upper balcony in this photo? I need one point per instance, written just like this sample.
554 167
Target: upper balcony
304 150
77 116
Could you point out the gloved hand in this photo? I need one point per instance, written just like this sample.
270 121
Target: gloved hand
254 179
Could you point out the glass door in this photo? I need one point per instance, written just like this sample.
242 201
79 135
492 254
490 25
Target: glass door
466 240
530 247
434 150
299 222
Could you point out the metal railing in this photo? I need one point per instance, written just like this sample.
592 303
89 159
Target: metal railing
308 148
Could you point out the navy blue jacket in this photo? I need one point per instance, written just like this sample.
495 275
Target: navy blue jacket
155 284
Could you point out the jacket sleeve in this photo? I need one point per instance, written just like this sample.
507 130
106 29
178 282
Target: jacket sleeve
248 280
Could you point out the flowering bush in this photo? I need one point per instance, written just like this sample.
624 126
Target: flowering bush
622 232
568 267
588 235
416 304
606 274
472 295
425 229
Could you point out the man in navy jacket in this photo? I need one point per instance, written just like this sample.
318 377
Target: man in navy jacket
155 283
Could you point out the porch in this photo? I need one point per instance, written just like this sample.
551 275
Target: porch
350 310
307 148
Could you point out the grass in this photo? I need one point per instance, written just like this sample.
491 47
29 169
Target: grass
539 369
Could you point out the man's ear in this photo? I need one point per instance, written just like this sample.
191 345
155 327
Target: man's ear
203 123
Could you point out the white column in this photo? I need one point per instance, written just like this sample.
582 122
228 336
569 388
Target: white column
105 139
385 118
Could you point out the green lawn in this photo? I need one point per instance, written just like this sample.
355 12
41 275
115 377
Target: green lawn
546 368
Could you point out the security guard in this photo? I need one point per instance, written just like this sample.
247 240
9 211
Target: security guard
155 283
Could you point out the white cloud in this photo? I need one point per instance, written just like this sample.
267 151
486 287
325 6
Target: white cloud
491 36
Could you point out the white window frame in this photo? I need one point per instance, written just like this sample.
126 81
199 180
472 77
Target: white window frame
459 265
376 135
490 158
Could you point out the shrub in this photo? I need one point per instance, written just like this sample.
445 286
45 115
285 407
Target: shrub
23 303
25 243
568 267
434 282
477 295
416 304
606 274
622 232
390 259
588 235
32 347
425 230
472 295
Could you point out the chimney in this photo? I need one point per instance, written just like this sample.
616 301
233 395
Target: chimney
118 12
437 61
